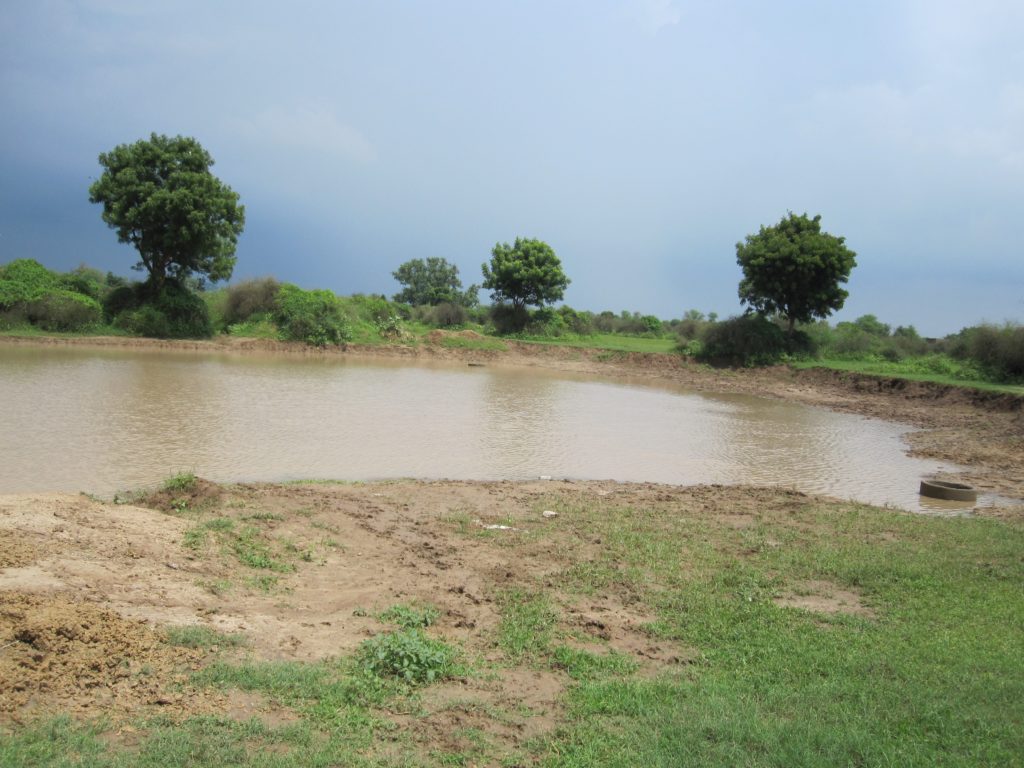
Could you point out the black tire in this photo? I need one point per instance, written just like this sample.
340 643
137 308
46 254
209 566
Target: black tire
940 489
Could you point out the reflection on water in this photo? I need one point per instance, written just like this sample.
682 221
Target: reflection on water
103 421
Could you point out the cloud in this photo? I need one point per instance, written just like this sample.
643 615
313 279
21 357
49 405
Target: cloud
936 120
655 15
313 129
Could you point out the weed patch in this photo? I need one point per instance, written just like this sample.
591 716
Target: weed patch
202 637
410 616
409 655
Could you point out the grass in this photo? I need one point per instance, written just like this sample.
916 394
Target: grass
460 342
32 332
197 636
914 369
527 625
610 341
181 482
410 616
934 679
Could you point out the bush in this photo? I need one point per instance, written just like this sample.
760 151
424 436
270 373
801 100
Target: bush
508 319
545 322
314 317
581 323
145 321
746 340
25 280
61 310
652 325
172 312
998 351
248 298
118 300
447 315
86 281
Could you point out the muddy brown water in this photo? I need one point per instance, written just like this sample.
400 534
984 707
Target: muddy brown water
100 421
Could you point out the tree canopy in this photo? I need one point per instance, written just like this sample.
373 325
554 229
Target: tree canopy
161 198
527 272
432 282
794 269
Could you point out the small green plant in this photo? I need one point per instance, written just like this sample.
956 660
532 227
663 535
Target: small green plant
215 586
409 655
202 637
390 326
181 482
460 520
264 583
194 538
264 516
325 526
410 616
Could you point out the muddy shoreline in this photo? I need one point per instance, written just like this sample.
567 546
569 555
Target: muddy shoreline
980 430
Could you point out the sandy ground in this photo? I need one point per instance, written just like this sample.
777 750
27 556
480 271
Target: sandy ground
979 430
88 589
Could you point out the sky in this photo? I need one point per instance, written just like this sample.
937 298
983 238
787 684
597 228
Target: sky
641 139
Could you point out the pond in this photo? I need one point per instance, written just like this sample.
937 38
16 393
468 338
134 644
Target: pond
103 421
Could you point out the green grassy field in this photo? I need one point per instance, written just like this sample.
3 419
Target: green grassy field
611 341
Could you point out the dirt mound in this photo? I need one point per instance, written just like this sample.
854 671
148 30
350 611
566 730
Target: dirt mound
199 494
60 653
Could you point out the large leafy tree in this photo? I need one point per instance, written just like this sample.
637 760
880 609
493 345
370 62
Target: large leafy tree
527 272
794 269
432 282
161 198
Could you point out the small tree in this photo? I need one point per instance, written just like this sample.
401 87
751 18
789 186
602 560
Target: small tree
429 282
794 269
526 273
161 198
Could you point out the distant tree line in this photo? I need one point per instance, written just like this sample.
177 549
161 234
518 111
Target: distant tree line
159 195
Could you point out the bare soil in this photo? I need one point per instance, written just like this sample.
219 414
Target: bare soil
89 589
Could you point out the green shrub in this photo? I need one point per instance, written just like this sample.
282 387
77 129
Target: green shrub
86 281
581 323
61 310
508 319
652 325
171 312
446 315
256 327
546 322
248 298
409 655
25 280
124 297
998 351
314 317
746 340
